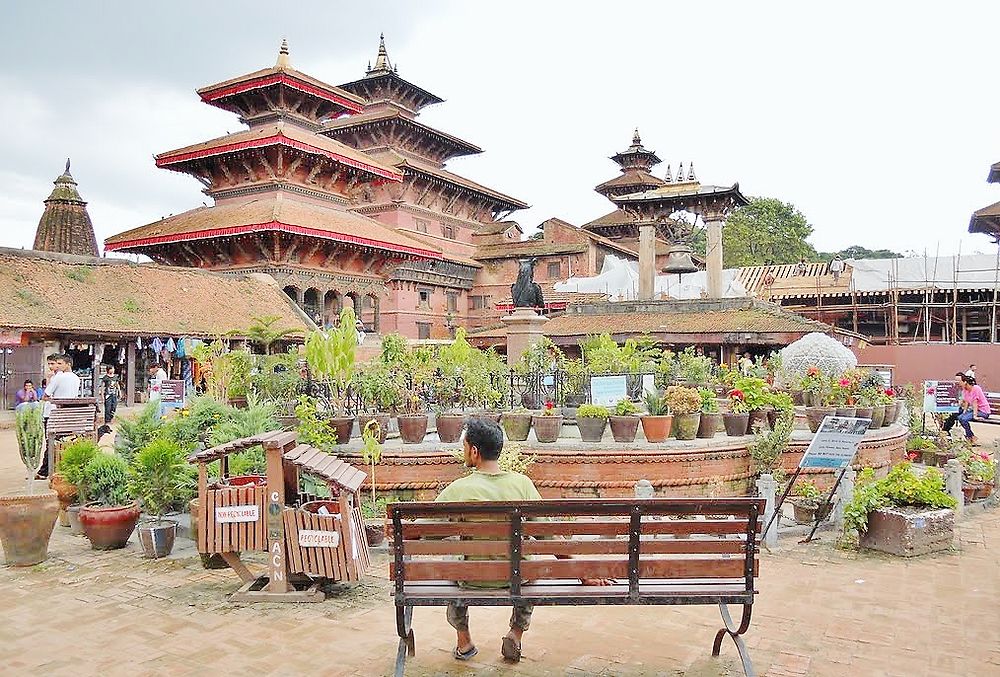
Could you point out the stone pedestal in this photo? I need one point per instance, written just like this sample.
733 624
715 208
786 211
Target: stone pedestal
524 329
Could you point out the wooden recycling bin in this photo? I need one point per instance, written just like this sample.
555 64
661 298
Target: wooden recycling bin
308 540
69 417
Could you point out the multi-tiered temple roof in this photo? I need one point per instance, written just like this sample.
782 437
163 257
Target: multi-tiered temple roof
987 219
65 226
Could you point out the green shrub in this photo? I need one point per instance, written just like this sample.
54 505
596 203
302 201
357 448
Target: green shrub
135 433
626 408
30 433
592 411
159 477
259 417
709 405
75 456
901 487
195 423
104 480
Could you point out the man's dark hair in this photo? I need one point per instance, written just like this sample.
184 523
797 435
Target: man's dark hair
486 436
55 357
154 365
28 382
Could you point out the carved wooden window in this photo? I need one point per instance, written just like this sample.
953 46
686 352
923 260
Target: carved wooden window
425 298
452 302
421 225
554 270
423 330
448 232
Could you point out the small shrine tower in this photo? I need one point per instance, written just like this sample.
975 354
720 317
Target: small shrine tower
65 226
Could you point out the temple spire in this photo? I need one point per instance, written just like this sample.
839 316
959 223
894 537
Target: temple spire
680 173
65 226
669 177
691 176
382 63
283 55
636 140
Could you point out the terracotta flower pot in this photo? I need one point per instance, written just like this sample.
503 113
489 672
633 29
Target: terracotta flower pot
863 412
657 428
849 412
157 538
208 561
383 424
808 512
815 416
709 425
449 427
969 491
108 527
26 523
592 429
516 425
984 490
758 417
374 531
736 424
490 415
66 493
547 428
624 428
412 427
686 425
878 416
342 427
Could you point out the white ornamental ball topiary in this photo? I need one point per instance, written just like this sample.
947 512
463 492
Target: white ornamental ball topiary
816 350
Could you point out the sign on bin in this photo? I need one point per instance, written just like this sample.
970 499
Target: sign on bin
835 443
311 538
237 513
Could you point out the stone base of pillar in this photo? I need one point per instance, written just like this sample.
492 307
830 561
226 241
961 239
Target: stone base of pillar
524 329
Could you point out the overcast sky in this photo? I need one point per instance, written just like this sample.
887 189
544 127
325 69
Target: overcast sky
877 120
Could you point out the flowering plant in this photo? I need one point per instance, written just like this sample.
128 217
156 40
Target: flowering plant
738 402
550 408
682 400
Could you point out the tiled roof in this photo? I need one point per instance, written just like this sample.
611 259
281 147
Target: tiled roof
272 211
459 146
287 134
88 296
393 159
632 177
743 320
686 189
986 220
65 226
527 248
497 227
616 218
560 298
365 83
994 176
349 100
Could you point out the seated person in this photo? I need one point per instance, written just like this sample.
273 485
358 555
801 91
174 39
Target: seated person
482 443
26 395
972 405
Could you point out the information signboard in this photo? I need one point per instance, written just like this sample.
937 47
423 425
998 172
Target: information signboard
172 392
941 397
607 391
835 443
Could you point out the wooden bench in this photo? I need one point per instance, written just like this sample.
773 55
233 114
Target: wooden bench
659 551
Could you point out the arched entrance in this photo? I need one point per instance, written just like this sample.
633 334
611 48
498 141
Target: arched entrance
311 305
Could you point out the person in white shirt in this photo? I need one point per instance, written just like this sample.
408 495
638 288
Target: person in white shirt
156 376
64 384
836 267
971 371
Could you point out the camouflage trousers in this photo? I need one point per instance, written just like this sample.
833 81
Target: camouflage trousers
458 617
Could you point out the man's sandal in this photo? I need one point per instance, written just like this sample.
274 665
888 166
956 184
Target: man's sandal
510 649
465 655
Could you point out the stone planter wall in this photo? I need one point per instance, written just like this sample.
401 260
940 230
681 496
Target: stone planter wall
908 532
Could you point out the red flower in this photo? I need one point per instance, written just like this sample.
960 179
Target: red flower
736 394
890 392
844 383
930 391
812 371
550 404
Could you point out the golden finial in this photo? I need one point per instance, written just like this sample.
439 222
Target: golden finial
382 61
283 55
636 141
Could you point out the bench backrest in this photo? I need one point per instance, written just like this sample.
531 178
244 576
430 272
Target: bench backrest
633 539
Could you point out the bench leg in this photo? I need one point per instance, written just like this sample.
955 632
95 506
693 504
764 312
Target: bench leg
735 633
404 621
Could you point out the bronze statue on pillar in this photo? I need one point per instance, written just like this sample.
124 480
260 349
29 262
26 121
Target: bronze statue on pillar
525 292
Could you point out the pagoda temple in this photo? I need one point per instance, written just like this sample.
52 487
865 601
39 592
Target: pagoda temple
987 219
431 204
65 226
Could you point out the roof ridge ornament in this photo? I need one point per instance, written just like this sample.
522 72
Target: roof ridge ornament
382 63
680 173
636 140
283 61
67 167
669 177
691 176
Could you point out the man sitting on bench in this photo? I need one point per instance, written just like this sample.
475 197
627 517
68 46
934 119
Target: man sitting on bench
482 443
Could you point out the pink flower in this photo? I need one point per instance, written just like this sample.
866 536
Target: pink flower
812 371
890 392
844 383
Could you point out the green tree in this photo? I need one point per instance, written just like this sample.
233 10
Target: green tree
858 252
766 232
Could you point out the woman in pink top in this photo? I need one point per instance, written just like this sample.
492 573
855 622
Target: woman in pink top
974 403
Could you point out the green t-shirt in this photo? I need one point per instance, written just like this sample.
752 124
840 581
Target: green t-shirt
480 486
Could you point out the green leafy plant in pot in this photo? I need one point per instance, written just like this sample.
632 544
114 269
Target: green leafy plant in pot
549 424
75 456
685 405
109 513
624 421
711 419
158 476
331 355
806 502
657 422
737 419
27 518
592 419
373 510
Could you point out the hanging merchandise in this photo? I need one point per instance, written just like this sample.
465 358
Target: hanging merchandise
181 353
121 354
171 346
138 342
165 357
156 345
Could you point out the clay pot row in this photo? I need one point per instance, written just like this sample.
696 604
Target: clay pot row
517 426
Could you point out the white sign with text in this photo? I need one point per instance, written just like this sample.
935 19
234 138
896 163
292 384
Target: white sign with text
309 538
237 513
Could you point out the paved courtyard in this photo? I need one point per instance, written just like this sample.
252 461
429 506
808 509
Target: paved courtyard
821 611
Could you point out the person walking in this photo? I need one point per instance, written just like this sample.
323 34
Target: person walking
836 268
481 446
111 391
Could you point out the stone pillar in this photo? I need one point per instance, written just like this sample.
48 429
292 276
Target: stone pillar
524 329
766 489
713 263
130 374
953 483
647 261
845 494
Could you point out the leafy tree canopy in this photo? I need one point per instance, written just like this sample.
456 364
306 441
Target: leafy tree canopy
858 252
766 232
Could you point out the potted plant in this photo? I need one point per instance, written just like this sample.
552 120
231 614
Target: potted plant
685 405
657 421
780 404
711 419
737 419
892 407
449 425
979 472
413 420
330 355
109 514
868 398
843 398
921 449
624 421
27 518
380 389
75 456
694 369
158 477
592 419
806 500
903 513
549 424
373 511
883 398
516 424
819 391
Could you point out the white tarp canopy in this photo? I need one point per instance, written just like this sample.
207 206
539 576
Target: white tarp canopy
619 279
970 271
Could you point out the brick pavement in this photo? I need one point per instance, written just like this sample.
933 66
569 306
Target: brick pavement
822 612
